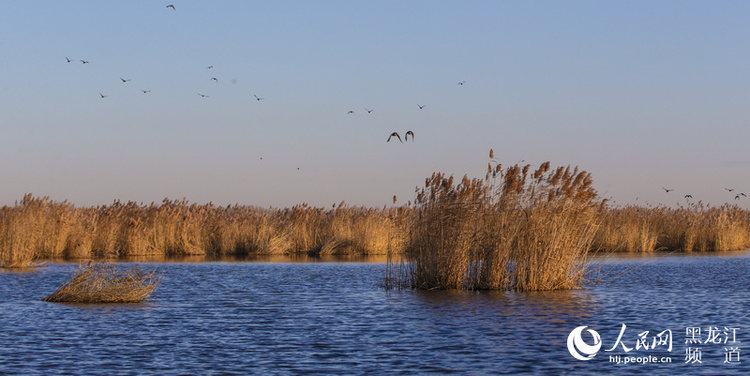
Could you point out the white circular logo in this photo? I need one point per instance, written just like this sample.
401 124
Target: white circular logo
580 349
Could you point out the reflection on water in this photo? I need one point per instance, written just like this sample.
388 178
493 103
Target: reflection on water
297 258
282 316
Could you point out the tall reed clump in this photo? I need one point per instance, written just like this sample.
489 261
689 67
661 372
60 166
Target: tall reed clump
98 282
514 230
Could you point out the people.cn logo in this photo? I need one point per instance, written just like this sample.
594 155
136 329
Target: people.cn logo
579 348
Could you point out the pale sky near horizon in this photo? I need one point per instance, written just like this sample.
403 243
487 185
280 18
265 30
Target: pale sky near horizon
642 94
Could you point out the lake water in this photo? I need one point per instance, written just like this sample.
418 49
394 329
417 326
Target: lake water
271 317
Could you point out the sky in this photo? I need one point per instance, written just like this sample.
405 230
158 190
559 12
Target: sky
644 95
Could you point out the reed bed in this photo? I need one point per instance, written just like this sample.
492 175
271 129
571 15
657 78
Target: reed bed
514 230
39 228
695 227
511 209
98 282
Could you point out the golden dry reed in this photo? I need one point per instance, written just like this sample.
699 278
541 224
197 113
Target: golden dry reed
39 228
514 230
98 282
696 227
508 210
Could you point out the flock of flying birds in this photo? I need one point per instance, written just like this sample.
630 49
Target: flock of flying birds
395 135
257 98
730 190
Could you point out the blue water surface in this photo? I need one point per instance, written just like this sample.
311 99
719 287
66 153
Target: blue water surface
238 318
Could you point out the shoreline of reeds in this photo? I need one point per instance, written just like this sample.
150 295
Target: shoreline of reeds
38 228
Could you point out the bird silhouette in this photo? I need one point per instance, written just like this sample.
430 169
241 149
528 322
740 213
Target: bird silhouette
688 196
729 189
667 190
462 83
258 98
66 58
171 6
406 136
84 62
124 79
394 134
350 112
210 67
203 95
737 197
368 111
215 79
145 91
421 106
102 95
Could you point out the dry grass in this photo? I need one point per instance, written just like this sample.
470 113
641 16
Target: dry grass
98 282
693 228
514 230
38 228
510 209
34 228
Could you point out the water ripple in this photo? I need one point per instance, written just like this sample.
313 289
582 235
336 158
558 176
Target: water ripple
335 318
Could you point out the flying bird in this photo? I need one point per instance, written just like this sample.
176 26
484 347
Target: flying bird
368 111
145 91
737 197
406 136
729 189
171 6
688 196
210 67
124 79
258 98
102 95
421 106
215 79
66 58
394 134
350 112
84 62
203 95
667 190
462 83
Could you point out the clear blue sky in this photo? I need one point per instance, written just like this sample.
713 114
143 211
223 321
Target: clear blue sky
643 94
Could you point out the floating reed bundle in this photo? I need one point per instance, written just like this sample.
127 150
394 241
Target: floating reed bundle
103 282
